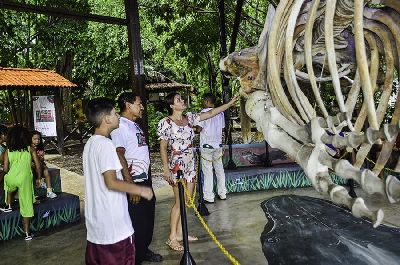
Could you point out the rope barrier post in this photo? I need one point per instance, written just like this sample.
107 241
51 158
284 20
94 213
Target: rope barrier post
351 182
186 257
201 207
267 161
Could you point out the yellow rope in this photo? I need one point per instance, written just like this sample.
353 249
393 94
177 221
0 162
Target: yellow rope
207 228
369 160
345 153
385 168
190 204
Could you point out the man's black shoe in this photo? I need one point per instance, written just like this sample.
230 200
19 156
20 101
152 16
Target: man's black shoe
152 257
208 202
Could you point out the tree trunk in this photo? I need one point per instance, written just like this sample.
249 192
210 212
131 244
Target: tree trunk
64 68
11 104
211 76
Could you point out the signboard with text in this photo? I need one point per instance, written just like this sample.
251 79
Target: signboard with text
44 115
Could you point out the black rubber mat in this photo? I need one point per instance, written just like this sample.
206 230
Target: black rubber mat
305 230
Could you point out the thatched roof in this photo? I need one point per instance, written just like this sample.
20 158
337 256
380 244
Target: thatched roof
157 82
163 87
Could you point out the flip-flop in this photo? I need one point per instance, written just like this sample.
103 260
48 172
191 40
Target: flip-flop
176 247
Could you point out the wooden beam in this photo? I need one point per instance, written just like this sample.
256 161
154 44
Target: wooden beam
59 12
136 59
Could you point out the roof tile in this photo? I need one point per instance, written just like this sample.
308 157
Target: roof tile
25 77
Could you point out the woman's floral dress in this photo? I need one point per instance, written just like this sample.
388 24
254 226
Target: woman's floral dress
180 151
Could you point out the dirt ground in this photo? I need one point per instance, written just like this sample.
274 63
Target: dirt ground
72 160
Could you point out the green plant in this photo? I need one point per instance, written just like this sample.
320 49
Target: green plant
154 116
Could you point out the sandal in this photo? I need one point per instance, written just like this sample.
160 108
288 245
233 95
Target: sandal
28 237
6 209
190 238
174 245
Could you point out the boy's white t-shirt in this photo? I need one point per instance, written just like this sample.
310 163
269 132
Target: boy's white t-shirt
106 211
211 133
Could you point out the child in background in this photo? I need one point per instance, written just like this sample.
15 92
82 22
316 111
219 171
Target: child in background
37 145
17 166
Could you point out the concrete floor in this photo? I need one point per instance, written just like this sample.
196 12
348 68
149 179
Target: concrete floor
236 222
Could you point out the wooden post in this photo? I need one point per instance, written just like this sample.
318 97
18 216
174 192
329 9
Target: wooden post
226 93
59 123
32 94
136 58
267 162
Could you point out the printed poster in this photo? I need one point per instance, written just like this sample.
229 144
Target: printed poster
44 115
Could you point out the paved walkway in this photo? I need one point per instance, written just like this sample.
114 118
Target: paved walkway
237 222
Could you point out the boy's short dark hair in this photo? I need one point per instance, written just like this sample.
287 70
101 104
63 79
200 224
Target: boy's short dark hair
126 97
97 108
210 97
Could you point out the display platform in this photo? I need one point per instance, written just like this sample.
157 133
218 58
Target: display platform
49 213
283 176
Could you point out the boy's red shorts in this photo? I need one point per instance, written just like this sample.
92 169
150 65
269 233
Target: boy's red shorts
120 253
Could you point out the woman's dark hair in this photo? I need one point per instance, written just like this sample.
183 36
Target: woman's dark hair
18 138
3 129
129 97
40 145
97 108
169 100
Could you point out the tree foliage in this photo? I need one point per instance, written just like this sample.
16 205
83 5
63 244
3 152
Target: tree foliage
180 39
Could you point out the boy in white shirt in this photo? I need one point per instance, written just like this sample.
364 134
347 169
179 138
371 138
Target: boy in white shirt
211 151
109 228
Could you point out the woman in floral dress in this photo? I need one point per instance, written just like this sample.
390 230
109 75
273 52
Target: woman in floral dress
176 134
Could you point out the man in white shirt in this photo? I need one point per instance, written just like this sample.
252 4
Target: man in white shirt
133 154
109 228
211 151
